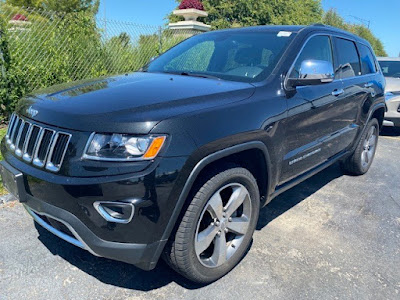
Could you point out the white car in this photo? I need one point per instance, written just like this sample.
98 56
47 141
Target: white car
391 70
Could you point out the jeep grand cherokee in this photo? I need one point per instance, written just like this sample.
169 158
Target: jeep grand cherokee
177 159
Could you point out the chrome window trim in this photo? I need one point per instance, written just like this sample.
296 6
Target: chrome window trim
329 34
301 50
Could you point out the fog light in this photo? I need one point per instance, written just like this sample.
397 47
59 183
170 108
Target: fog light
115 212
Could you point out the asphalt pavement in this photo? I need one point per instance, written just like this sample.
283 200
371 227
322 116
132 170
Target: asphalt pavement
332 237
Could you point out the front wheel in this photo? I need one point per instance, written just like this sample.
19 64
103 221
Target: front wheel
361 160
217 227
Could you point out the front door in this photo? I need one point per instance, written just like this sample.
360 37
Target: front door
313 112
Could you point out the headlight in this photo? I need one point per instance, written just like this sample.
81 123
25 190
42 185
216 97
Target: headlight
122 147
390 95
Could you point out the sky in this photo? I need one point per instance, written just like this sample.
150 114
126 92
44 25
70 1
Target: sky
383 15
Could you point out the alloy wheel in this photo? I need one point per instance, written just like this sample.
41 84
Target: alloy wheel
369 147
223 225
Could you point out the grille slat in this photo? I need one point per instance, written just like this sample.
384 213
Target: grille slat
45 144
43 147
10 125
21 138
31 142
57 151
15 132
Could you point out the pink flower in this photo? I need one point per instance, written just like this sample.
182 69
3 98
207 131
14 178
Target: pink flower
196 4
19 17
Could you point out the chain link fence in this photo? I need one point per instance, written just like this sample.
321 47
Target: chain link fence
48 48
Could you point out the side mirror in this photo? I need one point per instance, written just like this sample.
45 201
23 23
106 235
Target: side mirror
313 72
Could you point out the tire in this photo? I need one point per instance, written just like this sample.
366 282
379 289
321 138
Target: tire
361 159
207 216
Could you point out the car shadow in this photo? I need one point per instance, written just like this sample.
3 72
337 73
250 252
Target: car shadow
113 272
390 131
297 194
129 277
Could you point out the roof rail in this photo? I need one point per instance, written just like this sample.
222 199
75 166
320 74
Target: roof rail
319 24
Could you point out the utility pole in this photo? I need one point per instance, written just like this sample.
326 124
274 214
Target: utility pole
364 21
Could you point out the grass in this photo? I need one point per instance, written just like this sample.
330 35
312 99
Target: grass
3 132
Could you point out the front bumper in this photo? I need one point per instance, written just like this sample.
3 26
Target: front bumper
75 232
391 122
65 207
392 115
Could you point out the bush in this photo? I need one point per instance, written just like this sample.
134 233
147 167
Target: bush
41 49
12 85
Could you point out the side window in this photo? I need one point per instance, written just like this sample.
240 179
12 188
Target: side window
367 60
317 48
348 64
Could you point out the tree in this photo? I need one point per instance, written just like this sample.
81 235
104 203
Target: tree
123 39
332 18
234 13
72 5
65 6
25 3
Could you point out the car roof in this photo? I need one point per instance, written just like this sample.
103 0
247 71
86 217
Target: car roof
297 29
389 58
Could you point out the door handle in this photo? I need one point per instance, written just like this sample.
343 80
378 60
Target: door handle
338 92
369 84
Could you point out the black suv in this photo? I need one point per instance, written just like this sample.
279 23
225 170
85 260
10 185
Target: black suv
177 159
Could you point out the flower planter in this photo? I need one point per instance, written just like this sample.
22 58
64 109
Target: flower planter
190 14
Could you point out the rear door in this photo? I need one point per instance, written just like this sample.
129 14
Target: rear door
357 86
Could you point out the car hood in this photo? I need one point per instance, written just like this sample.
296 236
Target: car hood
392 84
132 103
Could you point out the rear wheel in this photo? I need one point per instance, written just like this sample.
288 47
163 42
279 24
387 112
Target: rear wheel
360 161
217 227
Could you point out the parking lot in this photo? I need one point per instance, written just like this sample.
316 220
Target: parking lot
331 237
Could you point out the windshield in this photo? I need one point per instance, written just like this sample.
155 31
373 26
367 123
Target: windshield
227 55
390 68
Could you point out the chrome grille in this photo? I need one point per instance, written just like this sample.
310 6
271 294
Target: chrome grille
43 147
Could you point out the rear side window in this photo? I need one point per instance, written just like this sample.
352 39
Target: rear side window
317 48
348 64
367 60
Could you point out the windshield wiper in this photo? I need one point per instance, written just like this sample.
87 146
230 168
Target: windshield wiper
195 75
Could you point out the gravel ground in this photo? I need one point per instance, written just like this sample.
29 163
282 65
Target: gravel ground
331 237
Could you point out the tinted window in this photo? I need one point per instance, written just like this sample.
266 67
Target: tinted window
236 56
348 64
317 48
367 60
390 68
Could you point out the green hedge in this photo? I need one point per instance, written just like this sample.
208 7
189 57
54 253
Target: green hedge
53 48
